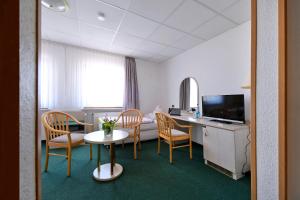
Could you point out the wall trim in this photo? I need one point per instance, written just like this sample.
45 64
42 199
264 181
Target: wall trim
253 98
282 114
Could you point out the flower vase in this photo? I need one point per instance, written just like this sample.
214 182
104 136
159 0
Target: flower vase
108 132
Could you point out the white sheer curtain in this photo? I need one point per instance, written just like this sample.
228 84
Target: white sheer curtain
52 75
73 78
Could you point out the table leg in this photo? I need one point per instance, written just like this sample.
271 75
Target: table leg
109 171
112 158
114 155
99 157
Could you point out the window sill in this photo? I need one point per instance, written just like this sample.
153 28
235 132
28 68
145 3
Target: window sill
102 109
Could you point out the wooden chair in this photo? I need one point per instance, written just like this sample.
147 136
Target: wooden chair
167 130
57 132
131 120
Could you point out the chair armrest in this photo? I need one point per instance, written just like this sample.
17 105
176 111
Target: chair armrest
85 124
184 126
181 126
189 127
56 131
78 122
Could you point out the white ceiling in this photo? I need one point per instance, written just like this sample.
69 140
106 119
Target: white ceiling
153 30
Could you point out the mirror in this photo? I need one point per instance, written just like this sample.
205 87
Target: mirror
189 94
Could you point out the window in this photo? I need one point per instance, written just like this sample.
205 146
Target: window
73 78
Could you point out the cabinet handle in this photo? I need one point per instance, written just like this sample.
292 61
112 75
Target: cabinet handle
205 133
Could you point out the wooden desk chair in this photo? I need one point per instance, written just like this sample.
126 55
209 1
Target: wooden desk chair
57 132
131 120
167 130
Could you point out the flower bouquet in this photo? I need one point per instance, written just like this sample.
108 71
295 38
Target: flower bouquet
108 125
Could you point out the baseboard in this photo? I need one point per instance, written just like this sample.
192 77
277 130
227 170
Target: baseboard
223 171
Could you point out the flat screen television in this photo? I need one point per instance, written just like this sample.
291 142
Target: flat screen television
227 108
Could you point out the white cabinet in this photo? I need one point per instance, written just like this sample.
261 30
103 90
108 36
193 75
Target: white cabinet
227 148
210 138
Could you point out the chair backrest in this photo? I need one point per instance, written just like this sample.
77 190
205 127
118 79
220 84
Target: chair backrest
56 120
164 124
130 118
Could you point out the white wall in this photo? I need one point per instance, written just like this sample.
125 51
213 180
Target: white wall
27 99
149 80
267 100
220 66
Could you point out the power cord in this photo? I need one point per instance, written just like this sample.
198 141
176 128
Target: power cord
246 155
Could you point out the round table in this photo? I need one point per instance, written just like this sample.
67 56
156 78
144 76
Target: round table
112 170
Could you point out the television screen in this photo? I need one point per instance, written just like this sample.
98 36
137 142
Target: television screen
224 107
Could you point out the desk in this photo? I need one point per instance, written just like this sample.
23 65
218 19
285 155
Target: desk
112 170
225 146
206 122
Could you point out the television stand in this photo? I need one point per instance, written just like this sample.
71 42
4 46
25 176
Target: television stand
221 121
227 146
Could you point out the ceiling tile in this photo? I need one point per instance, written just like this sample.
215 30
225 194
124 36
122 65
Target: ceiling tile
159 58
190 15
60 37
170 51
59 23
71 12
165 35
239 12
153 60
126 40
187 42
138 26
151 47
141 54
90 32
154 9
214 27
121 50
119 3
217 4
88 11
80 26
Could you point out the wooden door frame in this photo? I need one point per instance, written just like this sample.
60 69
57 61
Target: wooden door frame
282 115
253 101
253 98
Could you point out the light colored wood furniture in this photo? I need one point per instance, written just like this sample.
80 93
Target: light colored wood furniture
112 170
56 125
130 120
168 130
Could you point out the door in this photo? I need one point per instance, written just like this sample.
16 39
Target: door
210 145
226 150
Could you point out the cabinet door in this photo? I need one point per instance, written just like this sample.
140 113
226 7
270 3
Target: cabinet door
226 147
210 144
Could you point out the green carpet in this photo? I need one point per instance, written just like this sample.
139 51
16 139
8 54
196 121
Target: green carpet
151 177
